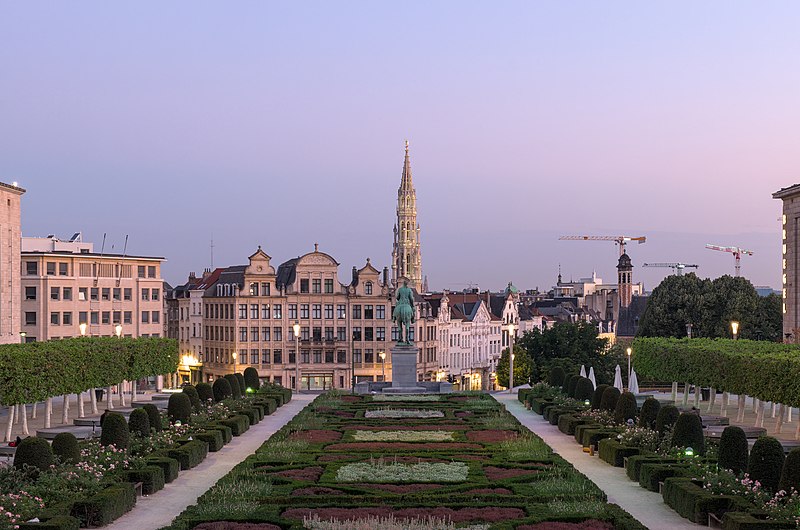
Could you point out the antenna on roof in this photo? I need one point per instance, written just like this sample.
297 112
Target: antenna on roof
212 251
124 253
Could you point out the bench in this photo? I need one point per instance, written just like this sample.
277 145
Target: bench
137 487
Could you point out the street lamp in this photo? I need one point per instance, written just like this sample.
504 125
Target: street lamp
629 351
735 329
118 330
22 335
296 330
510 358
82 327
234 355
382 355
688 330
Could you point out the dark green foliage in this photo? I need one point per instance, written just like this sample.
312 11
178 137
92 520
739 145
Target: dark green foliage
179 408
153 416
169 466
213 437
557 376
766 462
609 400
597 396
584 389
189 454
106 506
649 413
151 477
222 389
666 418
60 522
227 433
571 384
65 447
565 384
251 379
790 476
238 424
34 451
733 449
139 423
523 367
242 386
194 397
688 432
204 392
625 408
236 391
115 431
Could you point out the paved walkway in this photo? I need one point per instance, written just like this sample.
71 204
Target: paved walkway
644 505
158 510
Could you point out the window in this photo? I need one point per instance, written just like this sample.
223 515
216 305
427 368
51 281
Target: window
357 333
304 311
154 294
55 319
83 317
67 293
265 311
145 317
368 288
127 294
396 335
30 318
368 312
95 293
340 311
254 311
316 286
55 293
304 285
63 269
357 356
30 293
243 311
329 311
145 294
243 334
277 334
328 286
116 294
328 332
316 311
154 318
253 356
32 268
276 311
51 268
277 356
265 333
380 333
106 317
66 318
341 356
106 293
254 289
380 312
127 317
317 356
304 333
304 356
151 271
265 289
265 358
328 356
317 334
369 356
254 333
140 271
116 317
94 318
368 333
341 333
357 311
292 311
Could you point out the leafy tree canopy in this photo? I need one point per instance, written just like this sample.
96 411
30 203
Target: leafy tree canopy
523 367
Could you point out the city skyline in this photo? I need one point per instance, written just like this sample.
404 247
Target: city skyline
284 127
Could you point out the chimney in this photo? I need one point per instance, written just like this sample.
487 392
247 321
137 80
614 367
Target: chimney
192 276
355 276
386 276
206 273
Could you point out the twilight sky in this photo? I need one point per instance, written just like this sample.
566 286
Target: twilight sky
282 124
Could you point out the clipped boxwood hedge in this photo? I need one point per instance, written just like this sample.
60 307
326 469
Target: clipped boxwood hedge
651 473
238 424
614 453
252 414
270 404
151 477
189 454
227 433
105 506
214 439
749 521
169 466
691 501
61 522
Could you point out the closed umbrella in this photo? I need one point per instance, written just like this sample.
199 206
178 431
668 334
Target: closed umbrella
633 384
591 377
618 379
583 371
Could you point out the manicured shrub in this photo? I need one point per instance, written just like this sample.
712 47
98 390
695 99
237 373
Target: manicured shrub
59 522
557 376
238 424
204 392
169 466
33 451
666 418
733 449
194 397
153 416
584 389
65 447
609 400
139 423
251 379
565 384
115 431
240 380
649 413
236 391
625 408
151 477
571 384
213 438
766 462
189 454
688 432
179 408
790 476
106 506
597 396
222 389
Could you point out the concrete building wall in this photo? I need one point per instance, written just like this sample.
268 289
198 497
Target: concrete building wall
790 261
10 236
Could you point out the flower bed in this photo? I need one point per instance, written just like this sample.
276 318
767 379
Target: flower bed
402 436
408 399
401 446
403 413
380 471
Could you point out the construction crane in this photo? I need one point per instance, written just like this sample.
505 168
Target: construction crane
619 240
737 254
676 267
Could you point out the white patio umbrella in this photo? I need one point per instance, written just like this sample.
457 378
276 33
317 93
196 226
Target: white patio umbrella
591 377
583 371
633 384
618 379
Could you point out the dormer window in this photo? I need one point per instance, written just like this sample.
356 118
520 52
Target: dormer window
368 288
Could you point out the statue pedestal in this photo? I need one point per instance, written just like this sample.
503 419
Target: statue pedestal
404 370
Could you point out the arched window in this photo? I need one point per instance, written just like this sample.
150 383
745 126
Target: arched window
368 288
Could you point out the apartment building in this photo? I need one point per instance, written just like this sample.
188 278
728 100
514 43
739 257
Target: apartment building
67 290
10 234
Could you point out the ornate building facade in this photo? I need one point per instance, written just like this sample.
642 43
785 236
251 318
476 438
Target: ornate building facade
406 251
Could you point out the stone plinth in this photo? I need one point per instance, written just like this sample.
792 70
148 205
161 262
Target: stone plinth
404 367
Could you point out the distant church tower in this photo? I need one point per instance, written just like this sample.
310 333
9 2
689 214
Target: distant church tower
625 276
406 252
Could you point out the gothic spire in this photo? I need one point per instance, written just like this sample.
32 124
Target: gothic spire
406 184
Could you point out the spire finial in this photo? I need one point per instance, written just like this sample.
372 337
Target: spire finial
406 146
316 247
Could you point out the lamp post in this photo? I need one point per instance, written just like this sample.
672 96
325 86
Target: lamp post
382 355
82 327
296 330
234 355
629 351
22 335
735 329
689 330
510 358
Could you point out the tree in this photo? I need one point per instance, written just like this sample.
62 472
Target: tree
523 367
675 302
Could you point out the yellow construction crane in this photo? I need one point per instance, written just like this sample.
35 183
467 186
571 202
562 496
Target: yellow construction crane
619 240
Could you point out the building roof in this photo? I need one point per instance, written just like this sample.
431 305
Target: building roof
787 192
286 273
89 254
11 187
629 316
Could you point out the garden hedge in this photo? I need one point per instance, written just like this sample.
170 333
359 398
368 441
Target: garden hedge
151 477
557 376
222 389
625 408
169 466
105 506
649 413
204 392
60 522
238 424
584 389
766 462
189 454
666 418
194 397
688 432
733 449
154 416
115 431
139 423
65 447
572 382
227 432
609 400
597 397
34 451
242 386
251 379
179 408
213 437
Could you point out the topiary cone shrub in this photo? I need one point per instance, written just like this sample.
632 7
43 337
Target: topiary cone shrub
115 431
626 408
733 449
251 379
609 400
766 462
571 384
597 397
584 389
33 451
240 380
194 397
236 391
153 416
790 476
666 418
557 376
205 393
65 447
222 389
139 423
179 408
565 384
688 432
649 413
